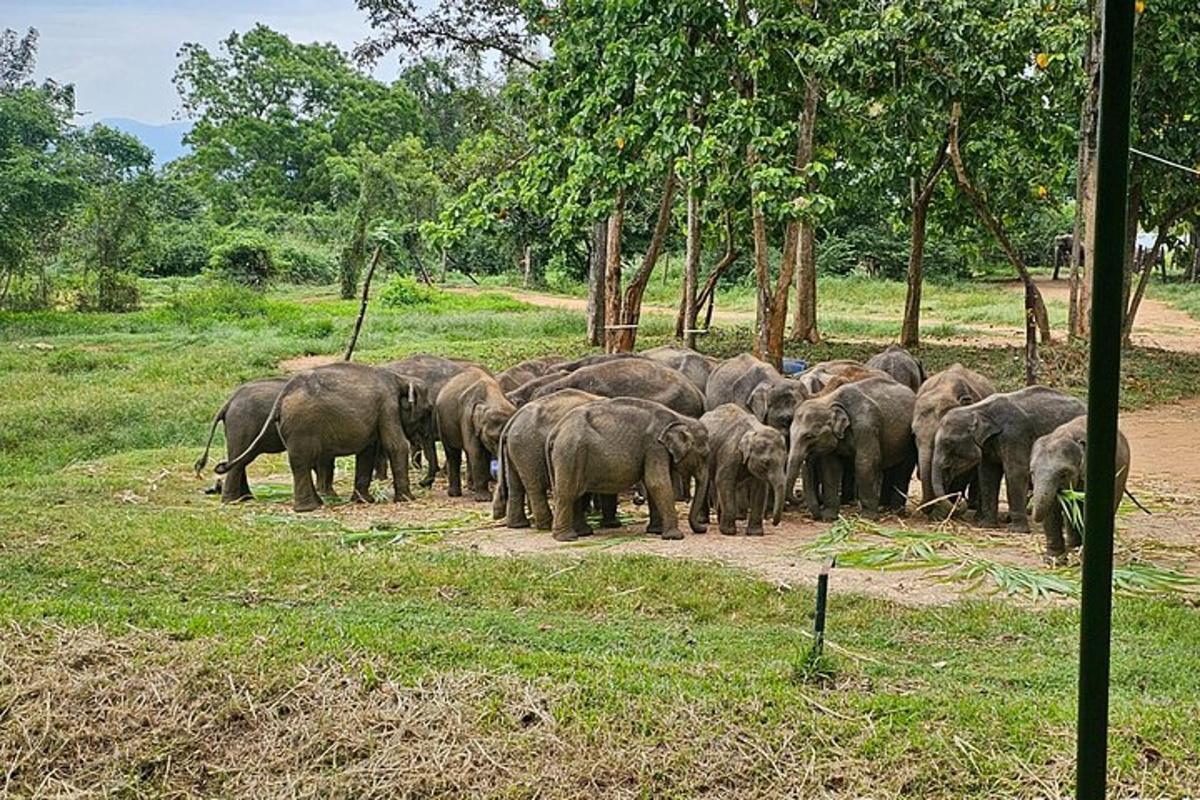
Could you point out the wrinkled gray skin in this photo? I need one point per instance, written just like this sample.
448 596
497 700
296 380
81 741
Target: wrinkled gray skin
951 388
471 411
244 414
828 375
520 374
996 435
633 377
900 364
524 393
435 371
609 445
596 358
524 473
745 460
1057 464
694 366
339 410
756 386
865 426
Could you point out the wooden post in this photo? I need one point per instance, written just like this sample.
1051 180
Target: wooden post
1031 335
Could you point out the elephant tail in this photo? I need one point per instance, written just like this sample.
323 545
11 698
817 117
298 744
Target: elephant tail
501 459
212 431
272 419
1136 502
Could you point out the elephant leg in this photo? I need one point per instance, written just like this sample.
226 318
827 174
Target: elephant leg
868 479
381 468
812 486
608 510
514 504
832 471
990 475
757 495
454 470
580 526
727 501
430 450
661 494
539 504
1016 479
324 471
365 462
655 524
566 500
480 464
235 487
304 493
394 444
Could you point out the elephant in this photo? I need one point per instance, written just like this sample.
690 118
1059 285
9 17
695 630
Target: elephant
829 375
338 410
523 471
694 366
1057 464
523 393
522 373
596 358
952 387
471 411
997 435
244 415
757 386
611 444
900 364
633 377
435 371
867 425
745 459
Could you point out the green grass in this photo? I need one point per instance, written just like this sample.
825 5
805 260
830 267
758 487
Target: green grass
660 677
1184 296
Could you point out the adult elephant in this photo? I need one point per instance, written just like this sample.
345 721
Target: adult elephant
471 411
436 372
865 425
592 359
1057 464
339 410
756 386
900 364
633 377
611 444
244 415
996 435
951 388
746 461
523 472
524 393
527 370
694 366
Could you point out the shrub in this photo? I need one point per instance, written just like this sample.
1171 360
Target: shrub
403 291
182 248
246 257
305 262
104 291
216 301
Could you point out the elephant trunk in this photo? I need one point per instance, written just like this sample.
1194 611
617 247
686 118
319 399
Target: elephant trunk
1045 494
939 478
924 472
698 512
780 485
796 457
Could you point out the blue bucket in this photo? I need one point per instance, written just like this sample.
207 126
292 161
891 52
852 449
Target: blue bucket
794 366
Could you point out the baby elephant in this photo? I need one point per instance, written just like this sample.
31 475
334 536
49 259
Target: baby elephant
1058 464
609 445
745 466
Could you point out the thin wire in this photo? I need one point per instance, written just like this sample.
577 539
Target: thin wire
1162 160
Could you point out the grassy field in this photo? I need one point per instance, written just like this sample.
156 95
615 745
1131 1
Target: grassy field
154 643
1184 296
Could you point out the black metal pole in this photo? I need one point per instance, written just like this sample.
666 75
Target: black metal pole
1104 376
819 614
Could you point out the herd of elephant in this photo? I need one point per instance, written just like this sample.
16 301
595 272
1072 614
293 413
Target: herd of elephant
549 438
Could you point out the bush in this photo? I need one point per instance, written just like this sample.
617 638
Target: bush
182 248
403 291
216 301
246 257
104 291
305 262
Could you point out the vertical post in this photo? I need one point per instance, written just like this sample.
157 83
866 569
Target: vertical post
819 614
1104 373
1031 334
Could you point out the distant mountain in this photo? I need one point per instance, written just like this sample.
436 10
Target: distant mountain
165 140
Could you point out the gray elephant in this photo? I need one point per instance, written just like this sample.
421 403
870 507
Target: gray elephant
435 371
996 435
471 411
1057 464
866 426
952 387
244 414
524 393
900 364
694 366
633 377
338 410
523 472
757 386
596 358
527 370
609 445
746 462
829 375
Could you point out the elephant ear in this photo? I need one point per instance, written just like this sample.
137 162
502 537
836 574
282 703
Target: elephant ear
678 440
841 420
759 400
746 446
477 414
982 429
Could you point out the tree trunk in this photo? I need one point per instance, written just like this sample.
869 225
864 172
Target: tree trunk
362 309
979 203
598 248
922 196
1164 230
612 272
527 264
804 323
631 303
1031 356
686 325
1079 313
1132 208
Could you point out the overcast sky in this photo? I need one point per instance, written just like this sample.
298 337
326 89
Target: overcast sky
120 54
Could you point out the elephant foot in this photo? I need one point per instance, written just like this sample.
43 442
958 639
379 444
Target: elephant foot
585 532
517 522
404 497
481 497
305 506
426 482
654 529
1055 559
245 498
454 492
565 536
543 524
673 534
1018 527
609 524
828 515
727 530
754 531
987 522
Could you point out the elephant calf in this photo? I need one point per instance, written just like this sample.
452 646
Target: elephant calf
866 424
757 386
471 411
900 364
949 389
996 435
745 461
1057 464
609 445
633 377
